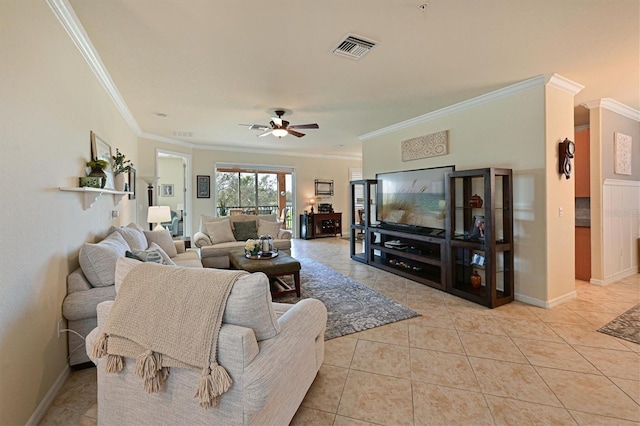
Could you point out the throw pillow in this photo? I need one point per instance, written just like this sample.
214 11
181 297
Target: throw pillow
145 256
220 232
133 235
266 227
98 261
166 260
245 230
163 239
205 219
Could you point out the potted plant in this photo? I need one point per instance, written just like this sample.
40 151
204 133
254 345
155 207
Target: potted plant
120 166
97 169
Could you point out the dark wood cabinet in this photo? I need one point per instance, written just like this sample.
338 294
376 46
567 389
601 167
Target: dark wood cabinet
320 225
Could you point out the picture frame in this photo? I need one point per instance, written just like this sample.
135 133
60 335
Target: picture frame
101 150
477 259
323 187
203 185
166 190
476 232
132 184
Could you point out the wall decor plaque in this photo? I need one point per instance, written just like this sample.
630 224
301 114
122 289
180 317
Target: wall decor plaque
432 145
622 152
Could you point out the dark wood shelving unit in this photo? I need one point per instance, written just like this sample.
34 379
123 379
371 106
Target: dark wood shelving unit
423 259
447 262
320 225
488 252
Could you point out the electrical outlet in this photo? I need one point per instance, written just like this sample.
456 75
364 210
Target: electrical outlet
560 212
59 327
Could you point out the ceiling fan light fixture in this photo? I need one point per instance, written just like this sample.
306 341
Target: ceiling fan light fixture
280 133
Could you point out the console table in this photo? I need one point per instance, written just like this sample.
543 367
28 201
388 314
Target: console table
320 225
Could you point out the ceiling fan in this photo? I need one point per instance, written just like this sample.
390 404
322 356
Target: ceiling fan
280 128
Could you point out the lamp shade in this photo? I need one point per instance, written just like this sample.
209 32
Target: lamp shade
159 214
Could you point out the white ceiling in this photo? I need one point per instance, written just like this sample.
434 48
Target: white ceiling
210 65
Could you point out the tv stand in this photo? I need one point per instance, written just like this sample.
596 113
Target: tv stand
418 257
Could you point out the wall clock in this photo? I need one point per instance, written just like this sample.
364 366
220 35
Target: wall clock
566 151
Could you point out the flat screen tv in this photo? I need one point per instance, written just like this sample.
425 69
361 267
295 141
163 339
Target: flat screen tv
414 199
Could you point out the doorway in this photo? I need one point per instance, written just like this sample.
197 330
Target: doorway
174 190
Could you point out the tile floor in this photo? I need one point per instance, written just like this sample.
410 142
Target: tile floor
458 363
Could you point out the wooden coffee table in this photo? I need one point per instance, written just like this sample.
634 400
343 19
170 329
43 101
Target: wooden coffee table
274 268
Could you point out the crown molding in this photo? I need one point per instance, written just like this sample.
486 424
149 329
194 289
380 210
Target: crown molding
615 106
479 100
69 20
562 83
273 152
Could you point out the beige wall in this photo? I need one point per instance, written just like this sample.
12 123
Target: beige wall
50 101
171 172
560 197
603 124
507 132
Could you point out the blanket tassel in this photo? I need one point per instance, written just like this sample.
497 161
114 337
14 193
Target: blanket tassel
213 382
149 367
100 347
115 363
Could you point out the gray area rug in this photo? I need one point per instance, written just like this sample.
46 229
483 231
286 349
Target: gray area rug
351 306
626 326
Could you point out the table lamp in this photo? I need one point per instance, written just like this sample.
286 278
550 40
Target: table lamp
180 208
158 214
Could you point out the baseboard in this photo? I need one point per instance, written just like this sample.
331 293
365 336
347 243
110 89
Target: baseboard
614 278
546 304
44 405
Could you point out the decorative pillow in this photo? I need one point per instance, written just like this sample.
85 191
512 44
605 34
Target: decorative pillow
145 256
249 305
245 230
153 254
206 219
266 227
98 261
164 240
166 260
123 266
220 232
133 235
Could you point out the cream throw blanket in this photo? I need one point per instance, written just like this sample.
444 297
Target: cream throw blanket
167 316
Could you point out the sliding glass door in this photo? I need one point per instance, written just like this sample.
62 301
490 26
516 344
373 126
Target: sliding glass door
241 191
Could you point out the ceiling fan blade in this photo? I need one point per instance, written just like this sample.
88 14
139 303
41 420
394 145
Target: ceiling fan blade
305 126
265 133
294 133
255 126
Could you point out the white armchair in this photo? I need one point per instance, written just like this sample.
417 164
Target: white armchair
270 375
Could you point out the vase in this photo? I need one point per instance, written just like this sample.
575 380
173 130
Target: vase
118 182
476 280
101 174
475 201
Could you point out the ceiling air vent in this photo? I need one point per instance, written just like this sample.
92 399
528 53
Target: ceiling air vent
181 134
353 46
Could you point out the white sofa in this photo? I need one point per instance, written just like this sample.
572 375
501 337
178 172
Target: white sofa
83 295
271 351
215 243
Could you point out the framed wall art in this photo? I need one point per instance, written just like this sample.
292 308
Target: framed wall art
323 187
622 151
132 184
166 190
203 185
101 150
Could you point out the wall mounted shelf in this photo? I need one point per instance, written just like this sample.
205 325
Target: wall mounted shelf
90 195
